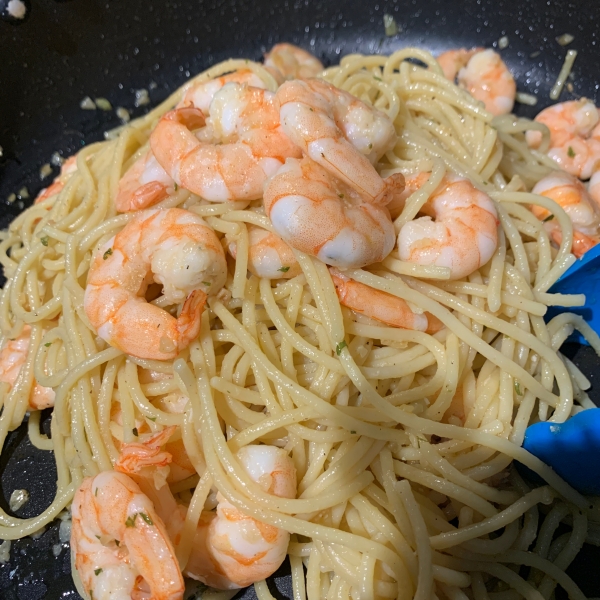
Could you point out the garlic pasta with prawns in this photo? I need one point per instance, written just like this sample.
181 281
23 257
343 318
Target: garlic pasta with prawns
402 440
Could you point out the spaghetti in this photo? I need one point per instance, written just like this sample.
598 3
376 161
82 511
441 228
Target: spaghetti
402 441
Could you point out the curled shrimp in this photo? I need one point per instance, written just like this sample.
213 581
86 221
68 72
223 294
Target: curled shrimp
121 546
567 191
574 136
12 358
66 170
291 62
230 549
463 235
241 144
320 215
381 306
172 247
339 132
484 75
269 256
144 184
233 550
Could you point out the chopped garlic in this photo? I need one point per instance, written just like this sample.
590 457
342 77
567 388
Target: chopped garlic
565 39
141 97
16 9
23 193
11 198
103 104
45 171
502 42
56 159
87 104
17 499
4 551
123 114
390 25
528 99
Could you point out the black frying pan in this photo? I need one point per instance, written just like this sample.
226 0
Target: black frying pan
64 51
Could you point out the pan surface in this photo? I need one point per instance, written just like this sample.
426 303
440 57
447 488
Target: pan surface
64 51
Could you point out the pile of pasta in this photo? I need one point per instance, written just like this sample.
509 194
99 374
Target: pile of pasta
403 441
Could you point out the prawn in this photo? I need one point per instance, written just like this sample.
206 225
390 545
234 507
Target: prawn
146 183
464 234
318 214
12 358
269 256
484 75
574 136
66 170
339 132
121 546
230 549
238 147
380 305
291 62
567 191
172 247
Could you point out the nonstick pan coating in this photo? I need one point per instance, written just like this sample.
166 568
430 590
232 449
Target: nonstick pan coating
65 51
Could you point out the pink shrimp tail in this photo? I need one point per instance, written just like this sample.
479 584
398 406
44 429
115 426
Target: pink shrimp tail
147 195
138 455
190 319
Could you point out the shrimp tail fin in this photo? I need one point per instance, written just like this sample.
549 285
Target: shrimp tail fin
394 186
188 322
148 195
191 117
433 324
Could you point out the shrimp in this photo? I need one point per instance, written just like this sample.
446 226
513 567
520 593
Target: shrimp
291 62
338 131
145 184
464 234
230 549
570 193
233 550
269 256
381 306
67 169
172 247
121 546
241 144
484 75
574 136
12 358
320 215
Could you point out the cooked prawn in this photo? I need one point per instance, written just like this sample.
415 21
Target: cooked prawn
12 358
484 75
172 247
230 549
121 546
268 255
570 193
338 131
320 215
381 306
574 136
67 169
241 144
292 62
464 234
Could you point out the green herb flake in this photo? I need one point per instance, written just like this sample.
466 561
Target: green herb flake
341 196
107 253
146 518
153 419
370 146
48 344
353 431
340 347
518 388
97 571
571 152
118 543
96 492
548 218
377 78
45 240
135 431
130 522
175 186
206 282
284 269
